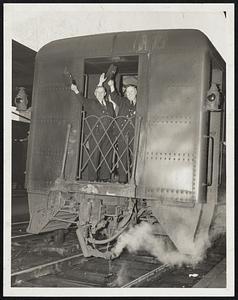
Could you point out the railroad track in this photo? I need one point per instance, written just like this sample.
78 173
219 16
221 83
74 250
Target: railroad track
19 229
125 272
43 265
37 263
30 250
77 271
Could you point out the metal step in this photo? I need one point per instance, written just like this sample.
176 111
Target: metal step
56 223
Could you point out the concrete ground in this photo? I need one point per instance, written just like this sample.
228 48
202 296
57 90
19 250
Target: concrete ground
216 278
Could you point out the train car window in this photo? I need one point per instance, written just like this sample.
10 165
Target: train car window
108 135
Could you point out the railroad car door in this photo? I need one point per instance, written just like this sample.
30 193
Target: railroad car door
175 172
176 126
55 108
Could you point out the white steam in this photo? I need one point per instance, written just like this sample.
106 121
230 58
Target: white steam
141 237
218 226
122 276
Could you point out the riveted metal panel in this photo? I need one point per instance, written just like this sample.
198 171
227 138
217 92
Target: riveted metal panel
175 164
54 107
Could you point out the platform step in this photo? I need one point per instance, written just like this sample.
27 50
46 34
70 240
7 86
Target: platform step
56 223
42 222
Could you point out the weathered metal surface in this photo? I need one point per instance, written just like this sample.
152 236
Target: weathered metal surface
193 223
49 126
179 223
212 180
99 188
52 213
173 128
108 189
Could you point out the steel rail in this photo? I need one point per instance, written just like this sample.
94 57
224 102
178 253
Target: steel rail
20 223
22 235
31 234
44 269
146 276
41 270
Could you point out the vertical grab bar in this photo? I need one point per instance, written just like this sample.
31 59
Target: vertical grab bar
137 133
209 182
81 145
222 146
65 151
127 157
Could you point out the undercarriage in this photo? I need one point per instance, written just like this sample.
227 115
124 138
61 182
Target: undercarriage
99 219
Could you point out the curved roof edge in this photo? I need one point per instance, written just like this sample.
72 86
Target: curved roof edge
191 36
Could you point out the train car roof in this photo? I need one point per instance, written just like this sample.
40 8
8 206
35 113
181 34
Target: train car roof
129 43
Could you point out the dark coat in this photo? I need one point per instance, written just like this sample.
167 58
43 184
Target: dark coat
126 109
125 135
93 107
100 145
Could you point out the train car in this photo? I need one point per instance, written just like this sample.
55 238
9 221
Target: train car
176 166
22 77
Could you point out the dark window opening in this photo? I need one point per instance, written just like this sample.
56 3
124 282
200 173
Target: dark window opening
108 137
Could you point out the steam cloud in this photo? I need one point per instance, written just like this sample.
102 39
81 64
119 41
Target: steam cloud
122 276
141 237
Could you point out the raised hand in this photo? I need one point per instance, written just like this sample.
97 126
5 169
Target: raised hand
102 79
110 82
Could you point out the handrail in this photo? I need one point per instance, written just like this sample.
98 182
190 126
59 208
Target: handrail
209 183
137 134
65 151
81 145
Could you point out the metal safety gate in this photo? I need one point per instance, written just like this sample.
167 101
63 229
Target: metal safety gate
108 144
